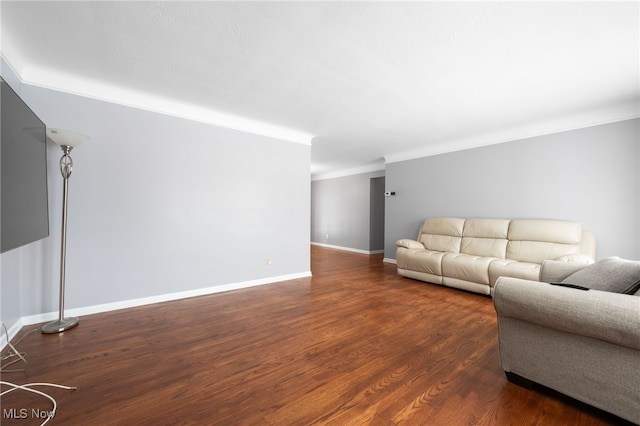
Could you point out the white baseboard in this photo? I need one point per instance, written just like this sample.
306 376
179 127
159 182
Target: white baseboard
106 307
348 248
389 260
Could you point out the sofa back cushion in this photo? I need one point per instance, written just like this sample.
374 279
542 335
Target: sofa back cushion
442 234
485 237
537 240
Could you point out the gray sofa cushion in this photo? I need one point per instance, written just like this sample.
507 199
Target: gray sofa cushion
612 274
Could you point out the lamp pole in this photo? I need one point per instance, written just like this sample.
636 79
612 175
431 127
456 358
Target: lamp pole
67 141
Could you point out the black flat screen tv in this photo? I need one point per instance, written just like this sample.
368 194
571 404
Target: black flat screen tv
24 207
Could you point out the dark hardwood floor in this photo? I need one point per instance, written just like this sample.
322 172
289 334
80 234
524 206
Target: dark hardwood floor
354 345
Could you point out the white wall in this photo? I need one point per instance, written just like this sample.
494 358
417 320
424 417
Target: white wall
590 175
160 205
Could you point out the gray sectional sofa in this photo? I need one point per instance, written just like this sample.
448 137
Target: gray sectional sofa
582 343
471 254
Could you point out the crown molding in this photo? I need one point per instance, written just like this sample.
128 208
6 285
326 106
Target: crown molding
367 168
628 111
93 89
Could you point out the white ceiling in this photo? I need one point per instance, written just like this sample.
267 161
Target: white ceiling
363 81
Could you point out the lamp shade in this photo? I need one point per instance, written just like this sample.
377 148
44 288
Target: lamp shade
66 138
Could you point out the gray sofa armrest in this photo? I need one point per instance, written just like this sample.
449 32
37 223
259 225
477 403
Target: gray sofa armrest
610 317
554 271
410 244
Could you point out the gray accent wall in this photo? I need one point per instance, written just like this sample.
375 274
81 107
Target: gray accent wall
344 213
160 205
590 175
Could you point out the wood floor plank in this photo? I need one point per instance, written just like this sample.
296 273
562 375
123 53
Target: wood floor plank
355 344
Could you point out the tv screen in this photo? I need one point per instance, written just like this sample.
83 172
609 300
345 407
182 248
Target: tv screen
23 186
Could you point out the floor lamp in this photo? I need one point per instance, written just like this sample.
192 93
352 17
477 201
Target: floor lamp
67 141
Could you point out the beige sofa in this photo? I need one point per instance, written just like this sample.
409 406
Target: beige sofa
471 254
584 344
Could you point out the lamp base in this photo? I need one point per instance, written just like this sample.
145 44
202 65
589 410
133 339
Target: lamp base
58 326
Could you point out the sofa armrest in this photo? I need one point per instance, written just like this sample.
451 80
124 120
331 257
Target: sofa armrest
577 258
554 271
609 317
410 244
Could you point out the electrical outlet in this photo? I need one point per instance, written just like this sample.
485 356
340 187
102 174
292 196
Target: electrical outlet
269 260
327 237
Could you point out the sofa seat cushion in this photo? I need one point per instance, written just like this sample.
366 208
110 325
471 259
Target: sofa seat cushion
511 268
420 260
612 274
467 267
